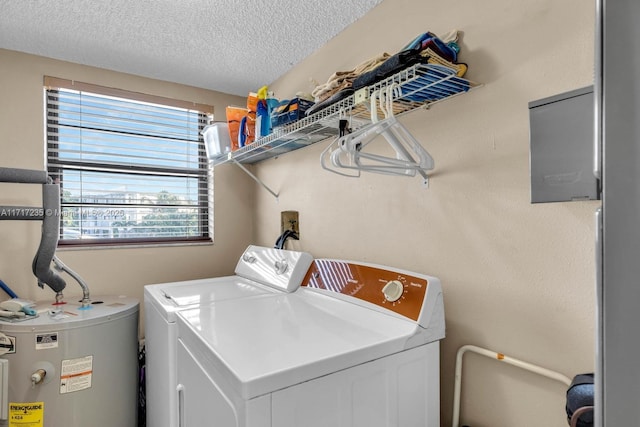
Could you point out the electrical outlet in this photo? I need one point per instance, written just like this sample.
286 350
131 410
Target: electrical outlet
289 221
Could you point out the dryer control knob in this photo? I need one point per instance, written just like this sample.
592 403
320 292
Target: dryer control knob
393 290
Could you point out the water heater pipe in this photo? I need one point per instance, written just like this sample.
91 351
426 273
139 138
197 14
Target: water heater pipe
23 176
86 300
49 214
49 242
501 357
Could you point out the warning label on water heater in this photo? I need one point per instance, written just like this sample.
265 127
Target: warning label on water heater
45 341
75 374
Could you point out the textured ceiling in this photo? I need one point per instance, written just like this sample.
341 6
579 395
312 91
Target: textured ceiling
232 46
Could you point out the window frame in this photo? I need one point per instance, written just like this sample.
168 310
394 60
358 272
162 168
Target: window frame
204 173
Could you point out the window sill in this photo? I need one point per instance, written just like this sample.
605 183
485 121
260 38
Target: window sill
141 245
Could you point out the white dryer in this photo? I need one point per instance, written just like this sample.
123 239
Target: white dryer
259 271
357 345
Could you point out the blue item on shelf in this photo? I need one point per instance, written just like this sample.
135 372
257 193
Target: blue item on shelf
429 87
263 125
289 111
272 103
242 135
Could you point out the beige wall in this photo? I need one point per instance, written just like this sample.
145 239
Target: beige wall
518 278
107 271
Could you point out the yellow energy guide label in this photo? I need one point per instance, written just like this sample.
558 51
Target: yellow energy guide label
26 414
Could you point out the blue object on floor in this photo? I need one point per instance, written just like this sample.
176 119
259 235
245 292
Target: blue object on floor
580 395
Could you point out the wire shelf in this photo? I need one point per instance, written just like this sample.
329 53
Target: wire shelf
418 86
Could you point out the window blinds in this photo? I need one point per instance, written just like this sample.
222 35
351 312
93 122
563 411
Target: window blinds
130 169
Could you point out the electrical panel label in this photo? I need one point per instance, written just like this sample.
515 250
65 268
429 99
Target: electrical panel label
76 374
45 341
26 414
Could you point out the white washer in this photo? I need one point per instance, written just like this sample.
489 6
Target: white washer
357 345
259 271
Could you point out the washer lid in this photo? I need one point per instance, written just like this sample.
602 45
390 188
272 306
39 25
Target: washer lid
259 271
170 297
266 343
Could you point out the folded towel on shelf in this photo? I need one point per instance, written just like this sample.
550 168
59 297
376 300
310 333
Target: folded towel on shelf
440 50
343 79
433 58
419 50
451 36
333 84
338 96
447 50
395 63
426 48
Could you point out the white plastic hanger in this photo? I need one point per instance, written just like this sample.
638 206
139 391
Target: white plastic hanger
348 151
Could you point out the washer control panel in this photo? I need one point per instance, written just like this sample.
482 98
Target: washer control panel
393 290
276 268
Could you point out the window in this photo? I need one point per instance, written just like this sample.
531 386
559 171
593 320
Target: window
132 168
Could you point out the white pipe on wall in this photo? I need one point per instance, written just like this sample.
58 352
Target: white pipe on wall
501 357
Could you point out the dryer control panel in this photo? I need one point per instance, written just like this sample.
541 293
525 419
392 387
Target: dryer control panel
395 290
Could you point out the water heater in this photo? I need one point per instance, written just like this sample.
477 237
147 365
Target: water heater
71 366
